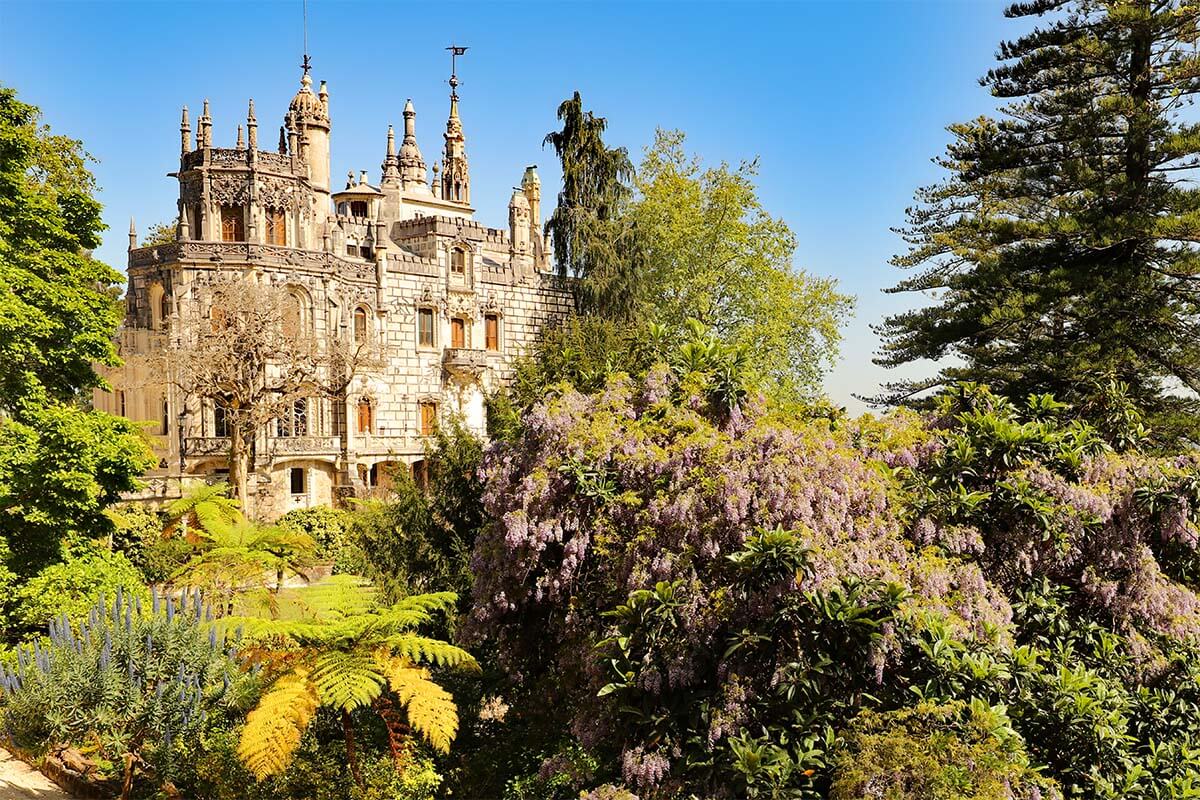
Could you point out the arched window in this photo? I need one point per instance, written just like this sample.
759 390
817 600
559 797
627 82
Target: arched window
294 421
276 227
360 325
458 261
233 223
366 416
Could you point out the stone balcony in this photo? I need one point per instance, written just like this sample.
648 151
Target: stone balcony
206 446
465 362
305 446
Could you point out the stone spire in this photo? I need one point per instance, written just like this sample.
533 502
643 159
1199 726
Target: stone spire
204 128
132 234
456 178
185 134
241 139
412 165
390 166
252 127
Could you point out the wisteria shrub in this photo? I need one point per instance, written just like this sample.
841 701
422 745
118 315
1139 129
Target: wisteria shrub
708 597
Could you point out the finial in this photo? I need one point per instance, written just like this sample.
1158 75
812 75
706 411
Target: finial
282 140
250 113
184 123
205 114
132 234
241 141
350 179
391 148
306 65
455 52
324 91
185 133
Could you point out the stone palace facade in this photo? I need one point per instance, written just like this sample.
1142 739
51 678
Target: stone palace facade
451 301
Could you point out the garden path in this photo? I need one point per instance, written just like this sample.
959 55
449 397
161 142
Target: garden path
19 781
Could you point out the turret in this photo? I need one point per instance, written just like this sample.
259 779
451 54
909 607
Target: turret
185 134
456 177
412 165
309 117
531 186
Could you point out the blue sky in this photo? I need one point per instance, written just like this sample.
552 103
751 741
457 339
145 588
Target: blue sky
844 103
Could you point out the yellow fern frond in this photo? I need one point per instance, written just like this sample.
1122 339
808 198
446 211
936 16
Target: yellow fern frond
273 729
430 708
347 680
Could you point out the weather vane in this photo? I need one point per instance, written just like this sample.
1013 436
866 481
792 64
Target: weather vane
455 52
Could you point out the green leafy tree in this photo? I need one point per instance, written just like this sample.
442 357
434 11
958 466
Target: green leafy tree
1061 247
71 587
715 255
60 463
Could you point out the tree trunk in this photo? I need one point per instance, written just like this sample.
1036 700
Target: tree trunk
351 751
239 465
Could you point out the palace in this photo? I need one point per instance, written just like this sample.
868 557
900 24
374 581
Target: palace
403 261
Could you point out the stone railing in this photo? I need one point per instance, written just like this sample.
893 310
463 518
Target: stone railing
464 361
206 446
249 253
306 445
235 157
383 444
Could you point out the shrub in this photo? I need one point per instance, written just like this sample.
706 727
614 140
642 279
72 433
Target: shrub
132 683
70 587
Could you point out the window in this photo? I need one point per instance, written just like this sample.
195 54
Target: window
166 418
120 403
294 421
233 224
491 332
458 332
298 480
352 250
366 252
276 227
293 315
425 327
458 261
220 419
428 412
420 474
358 208
366 416
360 325
217 315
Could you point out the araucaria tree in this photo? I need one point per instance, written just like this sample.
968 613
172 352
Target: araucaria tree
1062 246
251 349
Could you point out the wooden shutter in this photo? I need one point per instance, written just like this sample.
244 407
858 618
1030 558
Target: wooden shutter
491 326
458 333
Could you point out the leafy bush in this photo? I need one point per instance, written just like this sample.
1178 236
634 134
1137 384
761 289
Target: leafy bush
70 587
327 527
132 683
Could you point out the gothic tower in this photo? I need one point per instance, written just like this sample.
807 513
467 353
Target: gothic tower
308 120
456 179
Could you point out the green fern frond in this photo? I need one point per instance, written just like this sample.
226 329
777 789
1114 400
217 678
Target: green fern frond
430 708
347 680
273 729
419 649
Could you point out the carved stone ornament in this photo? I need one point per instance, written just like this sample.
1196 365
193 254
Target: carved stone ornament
276 194
230 190
191 191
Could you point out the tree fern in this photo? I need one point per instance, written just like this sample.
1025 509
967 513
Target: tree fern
349 652
273 729
430 708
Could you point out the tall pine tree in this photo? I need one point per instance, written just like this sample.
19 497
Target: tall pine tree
1062 248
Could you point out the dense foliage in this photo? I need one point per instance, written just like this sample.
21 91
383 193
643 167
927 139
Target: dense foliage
1062 243
715 600
60 464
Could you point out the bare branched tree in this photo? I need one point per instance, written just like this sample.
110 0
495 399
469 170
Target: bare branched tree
254 351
